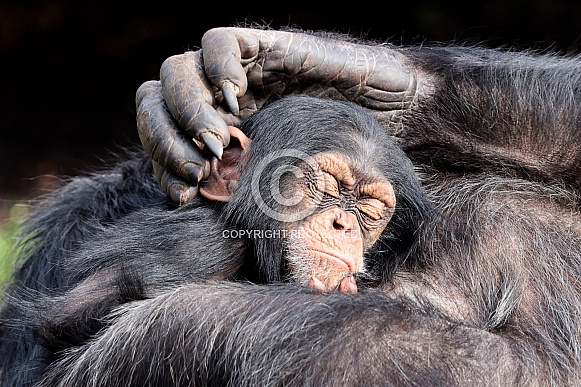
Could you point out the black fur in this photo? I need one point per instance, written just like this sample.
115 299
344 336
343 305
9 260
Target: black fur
153 247
486 292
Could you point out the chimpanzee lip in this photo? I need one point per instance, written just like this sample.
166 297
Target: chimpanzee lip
346 263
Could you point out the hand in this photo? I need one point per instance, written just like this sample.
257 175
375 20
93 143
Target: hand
239 70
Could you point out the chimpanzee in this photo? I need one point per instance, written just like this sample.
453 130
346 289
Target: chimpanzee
487 293
309 205
491 295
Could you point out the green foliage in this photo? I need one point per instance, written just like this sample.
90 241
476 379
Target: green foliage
8 249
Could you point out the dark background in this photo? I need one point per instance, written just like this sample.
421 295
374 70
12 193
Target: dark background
70 68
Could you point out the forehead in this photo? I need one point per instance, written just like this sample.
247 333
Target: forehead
345 169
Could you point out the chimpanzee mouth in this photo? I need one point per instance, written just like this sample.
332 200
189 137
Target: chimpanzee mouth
348 264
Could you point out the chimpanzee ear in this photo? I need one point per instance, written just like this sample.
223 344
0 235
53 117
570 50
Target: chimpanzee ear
224 174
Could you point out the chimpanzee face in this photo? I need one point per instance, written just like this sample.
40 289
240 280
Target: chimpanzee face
324 173
347 209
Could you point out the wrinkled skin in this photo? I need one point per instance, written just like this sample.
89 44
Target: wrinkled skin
497 135
349 209
315 210
490 296
255 66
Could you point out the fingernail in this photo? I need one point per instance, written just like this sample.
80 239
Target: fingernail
229 91
214 145
188 195
175 192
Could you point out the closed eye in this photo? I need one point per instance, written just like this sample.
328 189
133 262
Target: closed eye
372 208
330 186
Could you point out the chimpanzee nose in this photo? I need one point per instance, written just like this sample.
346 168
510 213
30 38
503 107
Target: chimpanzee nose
343 221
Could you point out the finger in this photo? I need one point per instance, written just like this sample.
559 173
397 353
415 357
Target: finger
163 141
177 189
190 99
225 51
